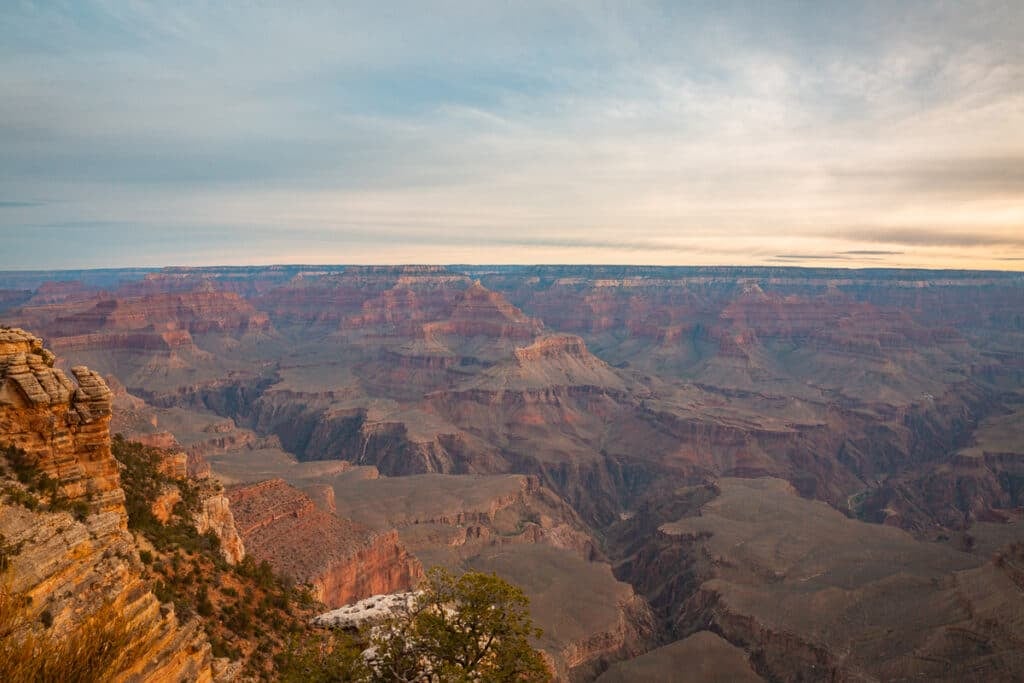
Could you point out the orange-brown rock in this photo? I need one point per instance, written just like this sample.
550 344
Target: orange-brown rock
343 561
159 322
215 515
71 567
63 427
551 347
481 312
820 596
196 312
163 506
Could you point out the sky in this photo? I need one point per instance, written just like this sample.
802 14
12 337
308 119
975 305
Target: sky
845 134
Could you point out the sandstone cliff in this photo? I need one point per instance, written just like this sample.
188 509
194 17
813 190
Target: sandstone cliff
213 510
344 561
215 516
72 565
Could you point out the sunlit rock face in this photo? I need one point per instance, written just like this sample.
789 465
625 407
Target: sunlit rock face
69 566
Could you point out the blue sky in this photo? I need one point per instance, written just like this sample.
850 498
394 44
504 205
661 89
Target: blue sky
846 134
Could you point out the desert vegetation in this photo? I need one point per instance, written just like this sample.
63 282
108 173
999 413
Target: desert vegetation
97 648
250 613
474 626
34 489
458 628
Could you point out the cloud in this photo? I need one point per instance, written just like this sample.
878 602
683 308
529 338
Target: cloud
928 237
808 257
666 131
19 204
967 175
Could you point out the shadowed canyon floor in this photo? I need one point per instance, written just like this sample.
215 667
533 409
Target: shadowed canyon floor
772 467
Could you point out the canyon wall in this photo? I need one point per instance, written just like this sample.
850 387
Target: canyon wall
70 564
342 560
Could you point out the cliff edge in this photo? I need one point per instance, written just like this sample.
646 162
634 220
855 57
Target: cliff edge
67 554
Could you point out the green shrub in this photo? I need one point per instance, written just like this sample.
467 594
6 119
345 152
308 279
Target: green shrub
321 658
474 626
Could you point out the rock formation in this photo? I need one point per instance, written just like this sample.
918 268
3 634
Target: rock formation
625 393
343 561
215 516
703 657
67 565
812 594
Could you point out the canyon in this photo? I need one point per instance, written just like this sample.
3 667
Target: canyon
659 457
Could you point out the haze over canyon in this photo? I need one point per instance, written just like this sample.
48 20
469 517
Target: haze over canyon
742 473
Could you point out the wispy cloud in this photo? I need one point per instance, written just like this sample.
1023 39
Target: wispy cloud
18 205
667 132
941 238
809 257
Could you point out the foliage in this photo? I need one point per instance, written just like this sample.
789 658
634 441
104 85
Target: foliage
95 649
35 484
7 551
463 628
143 482
323 658
249 612
19 462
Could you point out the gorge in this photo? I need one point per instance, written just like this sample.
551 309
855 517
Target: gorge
659 457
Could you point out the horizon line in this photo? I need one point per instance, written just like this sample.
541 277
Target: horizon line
727 266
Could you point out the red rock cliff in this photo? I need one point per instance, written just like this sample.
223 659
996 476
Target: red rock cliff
344 561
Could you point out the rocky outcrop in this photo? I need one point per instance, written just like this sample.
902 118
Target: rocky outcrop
159 323
367 611
70 566
70 569
214 510
815 595
215 516
704 657
482 312
195 312
343 561
465 513
626 638
348 301
63 428
589 619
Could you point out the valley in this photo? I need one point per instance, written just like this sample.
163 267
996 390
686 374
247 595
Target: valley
750 473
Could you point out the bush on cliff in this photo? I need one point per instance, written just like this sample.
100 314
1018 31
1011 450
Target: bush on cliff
95 649
471 627
249 613
143 482
34 484
322 658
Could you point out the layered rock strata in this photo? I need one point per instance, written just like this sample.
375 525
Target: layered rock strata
814 595
69 566
214 513
342 560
